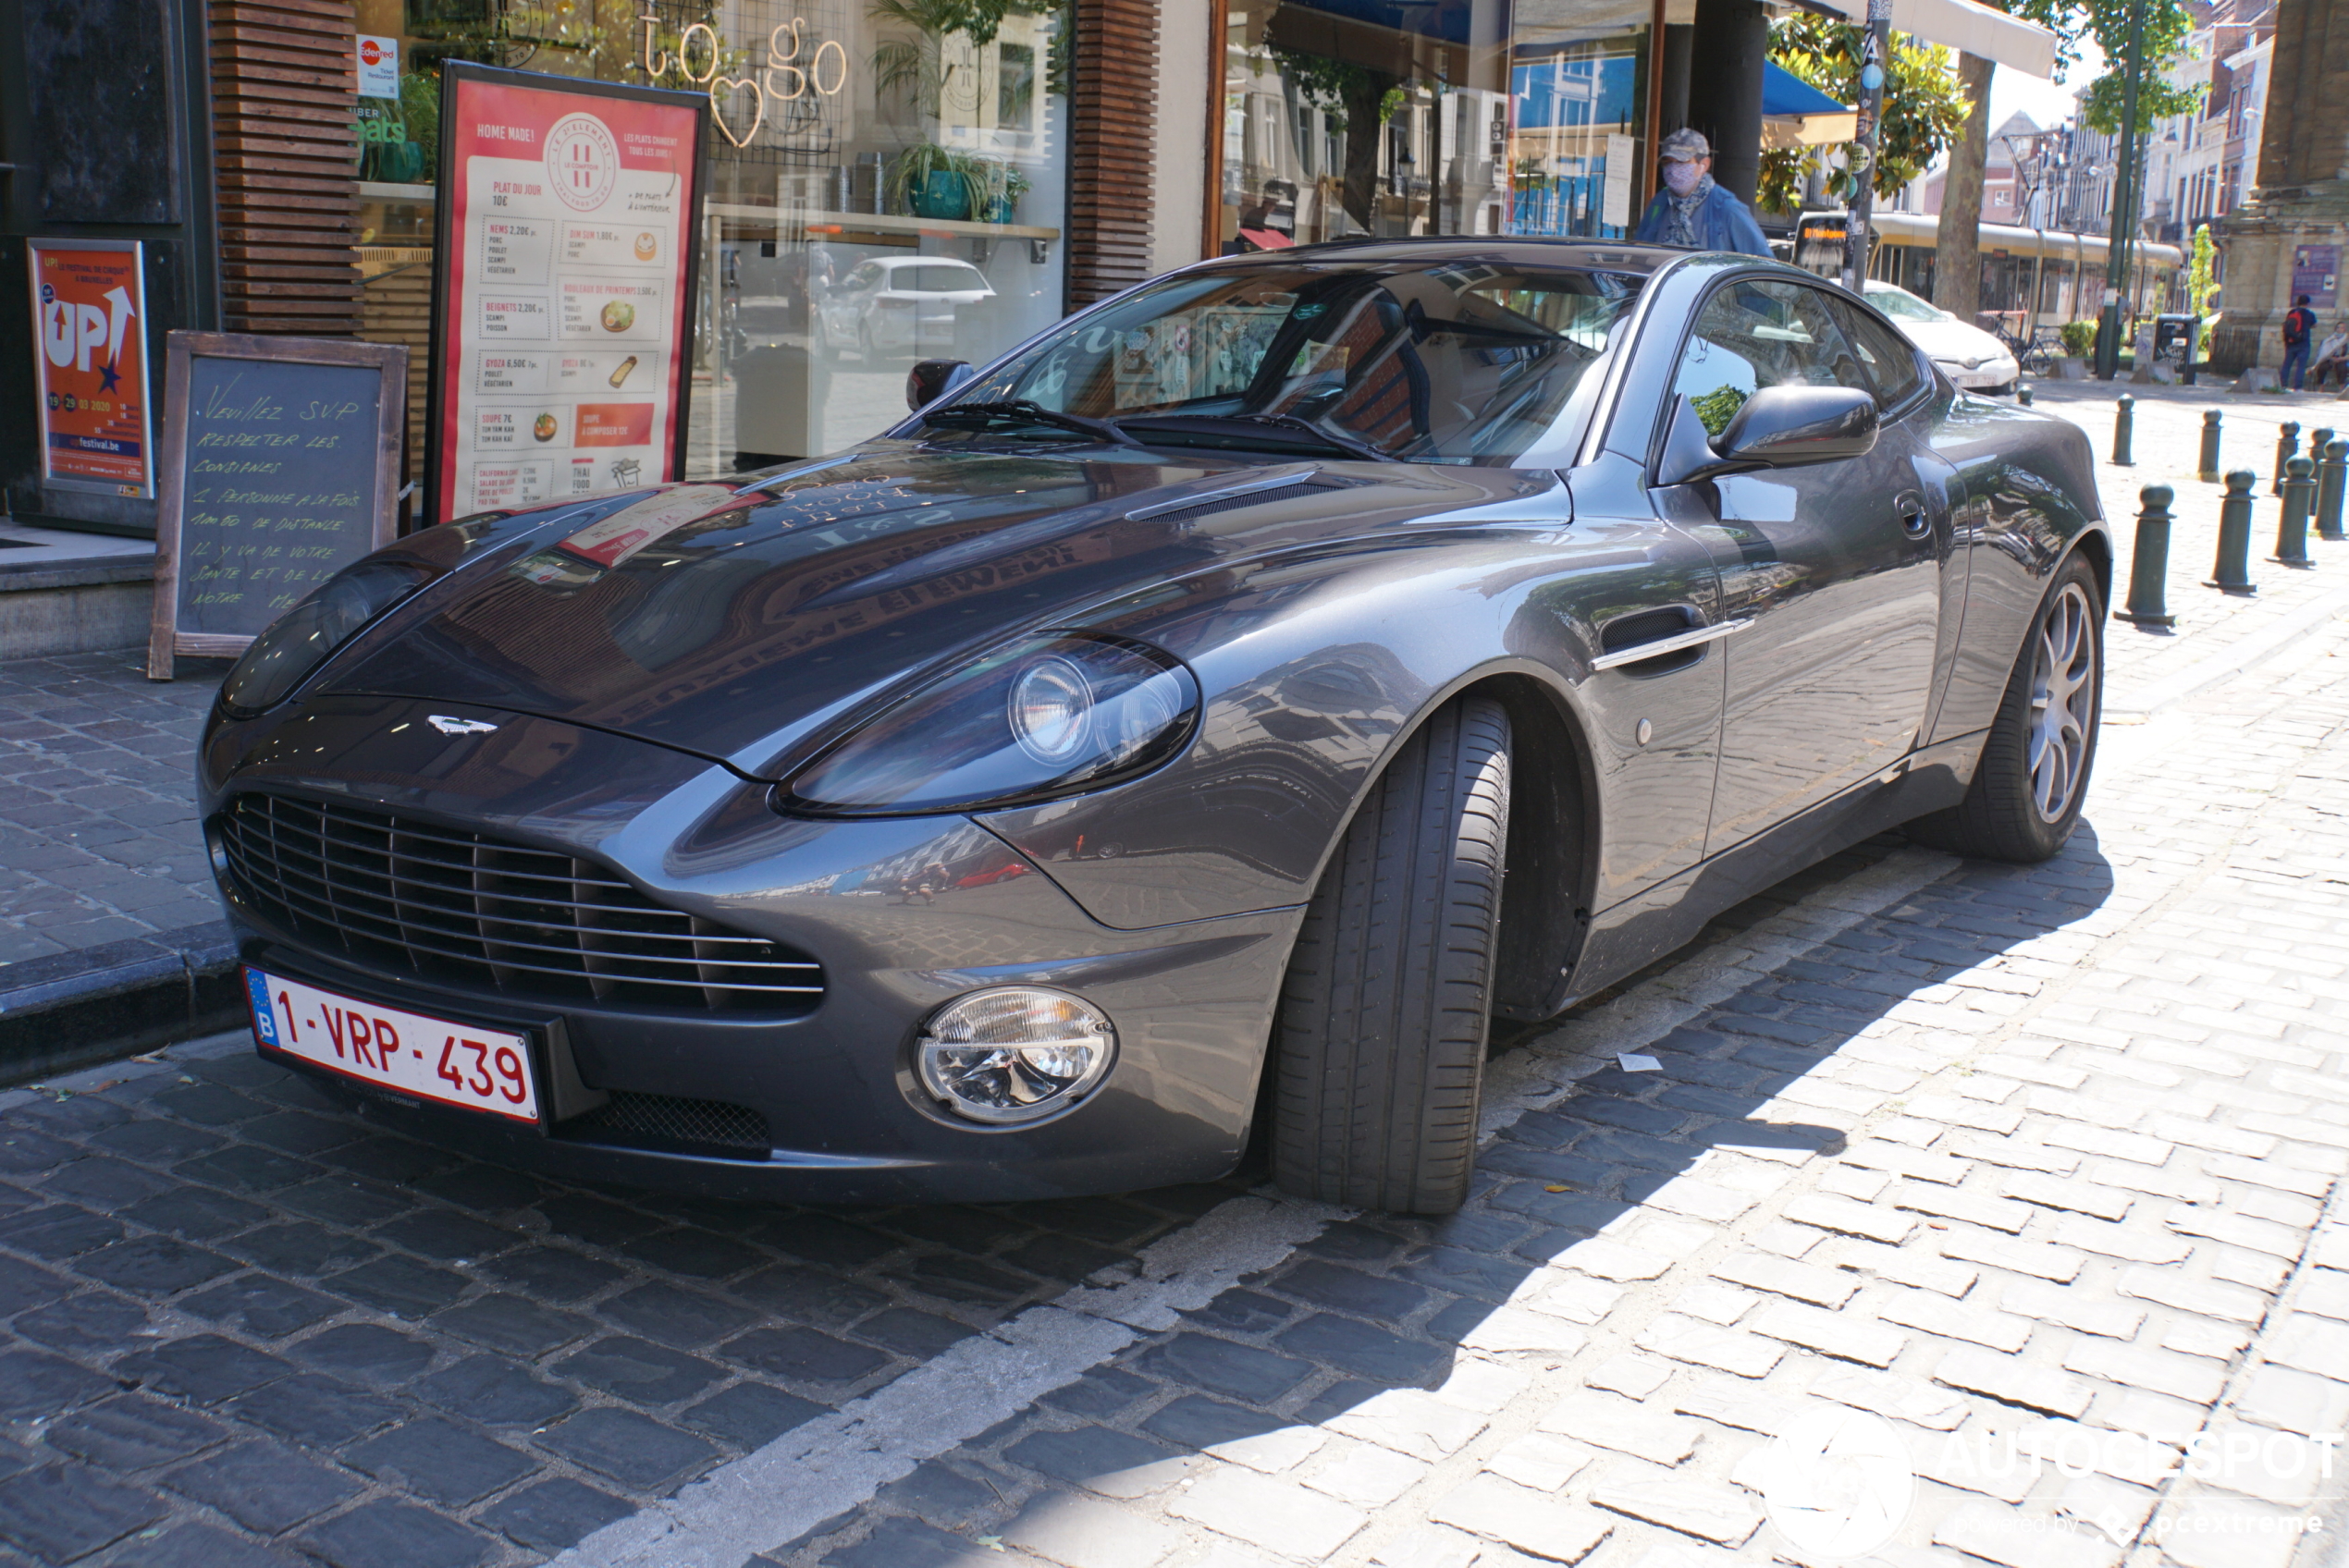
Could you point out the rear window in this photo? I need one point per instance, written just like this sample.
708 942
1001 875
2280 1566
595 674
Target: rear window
931 279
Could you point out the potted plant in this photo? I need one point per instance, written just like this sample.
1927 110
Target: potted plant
996 187
930 181
2079 342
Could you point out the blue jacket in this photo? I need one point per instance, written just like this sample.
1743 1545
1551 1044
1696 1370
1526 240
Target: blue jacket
1722 224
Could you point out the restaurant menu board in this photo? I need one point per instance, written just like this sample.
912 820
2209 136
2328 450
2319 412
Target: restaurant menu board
281 460
90 318
567 253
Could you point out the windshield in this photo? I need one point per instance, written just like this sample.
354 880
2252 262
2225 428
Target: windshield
1459 363
1901 305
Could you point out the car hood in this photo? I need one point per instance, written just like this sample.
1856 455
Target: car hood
732 623
1953 340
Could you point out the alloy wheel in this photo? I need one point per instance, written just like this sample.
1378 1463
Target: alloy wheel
2063 702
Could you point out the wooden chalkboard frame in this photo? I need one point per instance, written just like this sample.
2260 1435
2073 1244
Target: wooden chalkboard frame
165 639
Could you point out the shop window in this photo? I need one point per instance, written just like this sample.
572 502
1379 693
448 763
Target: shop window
1472 118
918 149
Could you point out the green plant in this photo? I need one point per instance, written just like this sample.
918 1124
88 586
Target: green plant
2079 338
1924 111
911 170
1717 408
2201 281
420 106
995 184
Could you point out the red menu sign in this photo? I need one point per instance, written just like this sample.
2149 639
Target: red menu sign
90 318
566 251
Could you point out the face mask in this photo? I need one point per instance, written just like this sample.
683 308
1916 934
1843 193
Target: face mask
1682 177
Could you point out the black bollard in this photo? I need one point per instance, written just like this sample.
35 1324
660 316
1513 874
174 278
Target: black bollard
2022 393
2291 522
2233 572
2124 426
2333 479
2149 565
2287 444
2208 469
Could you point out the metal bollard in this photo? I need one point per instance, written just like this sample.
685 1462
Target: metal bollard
2292 522
2022 393
2150 564
2124 426
2333 480
2233 572
2208 469
2287 444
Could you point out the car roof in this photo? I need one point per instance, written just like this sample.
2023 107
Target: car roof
1507 250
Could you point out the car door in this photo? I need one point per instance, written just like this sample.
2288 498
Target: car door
1832 567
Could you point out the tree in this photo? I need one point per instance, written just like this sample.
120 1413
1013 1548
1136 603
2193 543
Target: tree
1957 268
1357 100
1923 110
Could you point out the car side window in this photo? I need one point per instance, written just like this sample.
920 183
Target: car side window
1758 332
1890 357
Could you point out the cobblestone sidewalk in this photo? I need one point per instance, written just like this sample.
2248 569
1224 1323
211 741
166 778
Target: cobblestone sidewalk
2034 1166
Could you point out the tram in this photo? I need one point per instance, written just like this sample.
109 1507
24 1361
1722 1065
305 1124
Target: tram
2031 277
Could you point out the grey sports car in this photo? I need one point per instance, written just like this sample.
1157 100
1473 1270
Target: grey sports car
1194 726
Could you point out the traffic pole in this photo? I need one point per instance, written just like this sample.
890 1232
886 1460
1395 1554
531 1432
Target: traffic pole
2333 479
2287 443
2232 574
2291 522
2149 563
2206 470
2124 428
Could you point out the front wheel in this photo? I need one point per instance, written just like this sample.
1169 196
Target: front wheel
1380 1037
2032 777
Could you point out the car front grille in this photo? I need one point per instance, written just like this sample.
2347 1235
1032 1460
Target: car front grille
664 1122
452 905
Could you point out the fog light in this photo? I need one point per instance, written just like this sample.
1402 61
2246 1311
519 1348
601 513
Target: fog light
1014 1053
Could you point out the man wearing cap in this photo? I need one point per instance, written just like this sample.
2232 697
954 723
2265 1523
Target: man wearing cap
1693 211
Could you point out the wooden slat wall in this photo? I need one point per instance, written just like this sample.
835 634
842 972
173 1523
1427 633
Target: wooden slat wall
397 309
1114 130
284 99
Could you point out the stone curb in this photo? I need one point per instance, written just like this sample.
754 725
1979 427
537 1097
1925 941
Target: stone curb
77 1008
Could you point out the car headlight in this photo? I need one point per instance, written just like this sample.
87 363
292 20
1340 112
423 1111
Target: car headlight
297 641
1014 1053
1048 716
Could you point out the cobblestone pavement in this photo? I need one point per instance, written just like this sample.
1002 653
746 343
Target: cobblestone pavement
98 839
2030 1163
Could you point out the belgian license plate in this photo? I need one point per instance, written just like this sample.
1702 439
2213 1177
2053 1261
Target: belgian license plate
433 1058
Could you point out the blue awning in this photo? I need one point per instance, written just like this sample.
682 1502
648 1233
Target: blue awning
1783 92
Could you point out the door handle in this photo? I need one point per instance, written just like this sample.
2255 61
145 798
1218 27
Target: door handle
1916 521
1657 647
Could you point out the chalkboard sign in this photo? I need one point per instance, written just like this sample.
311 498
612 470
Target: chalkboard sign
280 467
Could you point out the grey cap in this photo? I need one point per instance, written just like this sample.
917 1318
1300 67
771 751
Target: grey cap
1685 146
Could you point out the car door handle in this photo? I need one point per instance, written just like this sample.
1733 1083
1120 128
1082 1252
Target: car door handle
1657 647
1916 521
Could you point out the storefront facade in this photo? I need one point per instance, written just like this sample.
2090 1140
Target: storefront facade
886 179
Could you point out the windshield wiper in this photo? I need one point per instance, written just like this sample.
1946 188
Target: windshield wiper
1022 410
1242 427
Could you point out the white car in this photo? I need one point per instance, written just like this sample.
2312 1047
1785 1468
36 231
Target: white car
1969 357
902 304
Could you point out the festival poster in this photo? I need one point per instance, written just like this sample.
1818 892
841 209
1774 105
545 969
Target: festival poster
564 341
90 317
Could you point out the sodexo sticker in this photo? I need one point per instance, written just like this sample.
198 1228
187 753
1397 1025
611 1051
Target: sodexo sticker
1836 1482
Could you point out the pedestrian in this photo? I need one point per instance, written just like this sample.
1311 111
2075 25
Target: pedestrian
2333 357
1691 210
2299 323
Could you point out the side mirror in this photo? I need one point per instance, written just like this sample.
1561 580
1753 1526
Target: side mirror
1776 427
1787 426
932 379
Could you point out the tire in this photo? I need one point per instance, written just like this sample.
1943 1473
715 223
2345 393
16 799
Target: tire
1379 1041
2032 777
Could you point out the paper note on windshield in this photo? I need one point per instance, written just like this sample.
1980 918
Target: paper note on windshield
629 530
1620 151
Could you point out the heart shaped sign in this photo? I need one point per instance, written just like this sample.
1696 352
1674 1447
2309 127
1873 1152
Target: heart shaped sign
722 89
